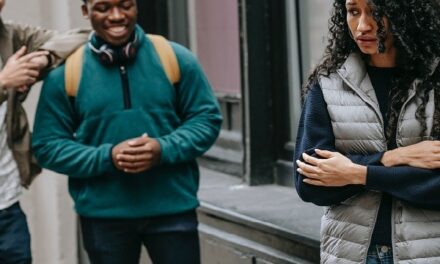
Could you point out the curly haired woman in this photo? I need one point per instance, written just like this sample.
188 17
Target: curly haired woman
366 145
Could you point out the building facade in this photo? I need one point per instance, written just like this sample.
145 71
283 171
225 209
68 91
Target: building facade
256 55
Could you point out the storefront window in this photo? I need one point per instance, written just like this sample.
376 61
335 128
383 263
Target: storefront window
306 47
313 21
214 37
217 43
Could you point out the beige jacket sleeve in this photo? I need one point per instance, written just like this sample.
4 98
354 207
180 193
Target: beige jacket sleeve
63 44
60 45
31 37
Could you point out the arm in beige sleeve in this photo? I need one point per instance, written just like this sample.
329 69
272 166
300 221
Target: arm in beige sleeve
63 44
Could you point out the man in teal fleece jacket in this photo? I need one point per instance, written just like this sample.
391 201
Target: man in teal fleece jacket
128 141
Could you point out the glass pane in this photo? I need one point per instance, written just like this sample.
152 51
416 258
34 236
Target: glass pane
314 16
293 49
305 48
214 36
218 44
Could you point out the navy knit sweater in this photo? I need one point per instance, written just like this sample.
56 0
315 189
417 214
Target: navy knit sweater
420 187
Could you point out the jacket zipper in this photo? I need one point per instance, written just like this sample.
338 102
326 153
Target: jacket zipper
125 87
396 214
370 236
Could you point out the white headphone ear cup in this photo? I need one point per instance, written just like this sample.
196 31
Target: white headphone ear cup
107 56
127 52
93 48
103 48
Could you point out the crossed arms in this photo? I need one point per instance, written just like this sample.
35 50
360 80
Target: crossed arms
326 177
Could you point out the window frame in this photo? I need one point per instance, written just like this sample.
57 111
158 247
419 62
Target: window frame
265 111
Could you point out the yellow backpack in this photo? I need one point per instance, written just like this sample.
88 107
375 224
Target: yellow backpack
73 69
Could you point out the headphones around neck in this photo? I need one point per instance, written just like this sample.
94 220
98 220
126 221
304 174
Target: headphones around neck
111 56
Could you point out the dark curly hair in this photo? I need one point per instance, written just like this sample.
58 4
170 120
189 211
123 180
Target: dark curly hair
415 26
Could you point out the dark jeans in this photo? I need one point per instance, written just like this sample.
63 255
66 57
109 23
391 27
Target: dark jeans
15 242
379 255
119 241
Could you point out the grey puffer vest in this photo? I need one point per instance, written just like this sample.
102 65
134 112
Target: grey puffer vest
346 229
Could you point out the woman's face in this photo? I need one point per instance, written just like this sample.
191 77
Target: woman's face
364 28
2 3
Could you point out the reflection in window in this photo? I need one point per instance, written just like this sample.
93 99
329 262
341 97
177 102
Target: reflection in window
217 36
314 16
306 48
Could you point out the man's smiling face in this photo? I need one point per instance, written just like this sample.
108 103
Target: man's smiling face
113 20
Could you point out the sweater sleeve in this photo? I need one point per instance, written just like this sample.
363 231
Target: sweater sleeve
315 131
53 140
419 187
198 110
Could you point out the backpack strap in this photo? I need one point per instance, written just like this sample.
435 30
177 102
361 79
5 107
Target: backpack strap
72 72
168 59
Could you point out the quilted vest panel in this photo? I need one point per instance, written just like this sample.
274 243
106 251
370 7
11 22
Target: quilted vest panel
346 229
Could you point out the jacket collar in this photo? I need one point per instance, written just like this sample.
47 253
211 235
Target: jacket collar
354 73
353 69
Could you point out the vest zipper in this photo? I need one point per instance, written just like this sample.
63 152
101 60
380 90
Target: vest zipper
125 87
372 229
396 214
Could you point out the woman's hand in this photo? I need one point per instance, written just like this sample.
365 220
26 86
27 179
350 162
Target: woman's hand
425 154
332 169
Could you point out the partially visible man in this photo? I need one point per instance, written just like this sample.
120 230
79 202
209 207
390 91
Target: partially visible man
128 141
16 167
18 72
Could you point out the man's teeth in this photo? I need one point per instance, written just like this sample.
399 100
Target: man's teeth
117 29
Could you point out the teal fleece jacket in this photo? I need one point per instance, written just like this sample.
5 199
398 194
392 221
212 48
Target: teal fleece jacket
76 137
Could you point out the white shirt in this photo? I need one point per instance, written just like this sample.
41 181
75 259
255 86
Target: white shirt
10 187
